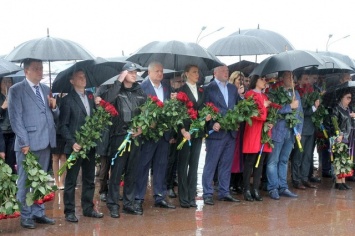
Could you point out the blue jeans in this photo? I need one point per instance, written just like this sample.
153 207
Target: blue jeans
276 167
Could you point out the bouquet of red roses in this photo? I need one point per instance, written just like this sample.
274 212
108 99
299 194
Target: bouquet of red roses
90 132
9 206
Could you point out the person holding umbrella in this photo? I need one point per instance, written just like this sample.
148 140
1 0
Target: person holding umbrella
75 107
31 111
126 95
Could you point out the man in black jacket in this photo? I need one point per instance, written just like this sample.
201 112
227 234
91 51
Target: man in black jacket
74 108
126 95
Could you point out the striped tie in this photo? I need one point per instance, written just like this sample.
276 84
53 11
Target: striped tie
38 94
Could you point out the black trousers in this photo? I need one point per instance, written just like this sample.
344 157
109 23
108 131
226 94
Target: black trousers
250 160
188 159
104 173
88 184
10 156
172 165
301 162
127 165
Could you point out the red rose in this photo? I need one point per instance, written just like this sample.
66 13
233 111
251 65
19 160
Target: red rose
189 104
154 98
160 104
275 105
122 183
182 97
90 96
200 90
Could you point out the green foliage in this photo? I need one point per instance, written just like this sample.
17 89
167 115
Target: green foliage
318 116
343 165
8 189
271 119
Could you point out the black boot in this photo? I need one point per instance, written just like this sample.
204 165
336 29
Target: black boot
247 196
256 195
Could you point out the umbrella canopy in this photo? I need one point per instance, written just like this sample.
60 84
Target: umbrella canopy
330 98
96 71
333 65
244 66
287 61
279 42
7 67
239 45
344 58
175 55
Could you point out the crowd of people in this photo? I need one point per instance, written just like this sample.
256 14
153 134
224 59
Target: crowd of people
235 162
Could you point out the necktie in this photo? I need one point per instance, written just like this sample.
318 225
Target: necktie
38 94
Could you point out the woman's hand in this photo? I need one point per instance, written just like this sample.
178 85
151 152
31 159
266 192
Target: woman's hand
208 117
186 134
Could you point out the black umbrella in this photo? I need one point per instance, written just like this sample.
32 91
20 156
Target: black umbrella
175 55
279 42
344 58
7 67
49 49
287 61
96 71
331 97
244 66
239 45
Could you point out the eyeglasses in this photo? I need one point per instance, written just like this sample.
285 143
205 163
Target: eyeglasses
349 98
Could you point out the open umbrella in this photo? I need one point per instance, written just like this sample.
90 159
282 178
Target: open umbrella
49 49
244 66
287 61
279 42
239 45
344 58
96 71
175 55
7 67
330 98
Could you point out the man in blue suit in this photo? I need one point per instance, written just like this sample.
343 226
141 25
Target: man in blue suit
151 150
31 112
221 143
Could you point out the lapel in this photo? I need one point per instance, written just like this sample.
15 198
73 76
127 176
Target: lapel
78 101
185 88
166 91
219 95
200 96
149 90
32 95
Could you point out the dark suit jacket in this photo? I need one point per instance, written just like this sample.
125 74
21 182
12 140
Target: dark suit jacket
72 117
213 94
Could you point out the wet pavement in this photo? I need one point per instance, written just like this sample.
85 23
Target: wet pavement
322 211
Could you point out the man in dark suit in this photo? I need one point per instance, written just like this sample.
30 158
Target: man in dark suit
31 112
151 150
221 143
77 105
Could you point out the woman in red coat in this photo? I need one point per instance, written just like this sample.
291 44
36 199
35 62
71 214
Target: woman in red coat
252 140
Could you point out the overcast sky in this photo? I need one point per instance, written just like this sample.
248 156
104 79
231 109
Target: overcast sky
108 27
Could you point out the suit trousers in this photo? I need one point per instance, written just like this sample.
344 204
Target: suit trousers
219 154
188 159
43 160
104 173
250 160
88 184
158 153
127 165
172 165
302 161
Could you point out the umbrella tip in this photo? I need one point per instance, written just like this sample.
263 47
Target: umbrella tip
47 32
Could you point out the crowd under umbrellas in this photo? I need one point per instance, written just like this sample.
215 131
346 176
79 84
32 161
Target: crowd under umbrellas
175 55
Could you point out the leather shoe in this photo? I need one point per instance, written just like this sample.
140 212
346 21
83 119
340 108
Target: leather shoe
28 223
340 186
228 198
164 204
274 194
139 205
193 204
171 193
114 211
315 179
346 186
308 184
44 220
247 196
208 201
71 217
288 193
256 195
131 210
184 205
299 186
94 214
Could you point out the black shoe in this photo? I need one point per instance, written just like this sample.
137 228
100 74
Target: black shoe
164 204
314 179
171 193
247 196
308 184
298 185
256 195
103 197
340 186
44 220
114 211
193 204
71 217
228 198
327 175
184 205
94 214
131 210
208 201
139 206
347 186
28 223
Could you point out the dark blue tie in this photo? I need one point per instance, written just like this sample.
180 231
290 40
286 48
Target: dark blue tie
38 94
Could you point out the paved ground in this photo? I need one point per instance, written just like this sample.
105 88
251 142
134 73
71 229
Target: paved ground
322 211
